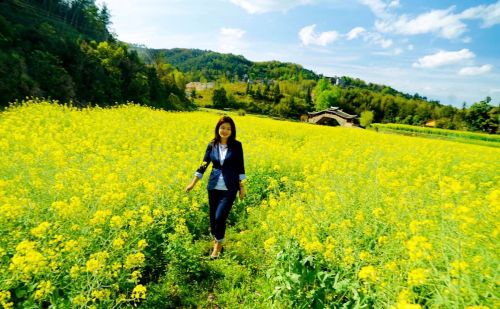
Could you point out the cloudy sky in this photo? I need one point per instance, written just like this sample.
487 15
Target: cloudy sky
444 50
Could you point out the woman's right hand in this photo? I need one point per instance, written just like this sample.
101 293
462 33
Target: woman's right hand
192 184
189 187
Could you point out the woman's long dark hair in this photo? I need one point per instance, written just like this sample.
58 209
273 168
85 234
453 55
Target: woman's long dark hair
232 138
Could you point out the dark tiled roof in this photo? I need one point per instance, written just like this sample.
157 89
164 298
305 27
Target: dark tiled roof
334 111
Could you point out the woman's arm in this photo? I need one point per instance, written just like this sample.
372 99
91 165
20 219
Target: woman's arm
241 172
201 169
192 184
241 162
243 191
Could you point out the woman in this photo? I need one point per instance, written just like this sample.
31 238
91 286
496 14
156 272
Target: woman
226 179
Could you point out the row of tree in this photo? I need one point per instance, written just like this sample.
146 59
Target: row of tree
293 99
203 65
412 110
287 90
63 50
286 99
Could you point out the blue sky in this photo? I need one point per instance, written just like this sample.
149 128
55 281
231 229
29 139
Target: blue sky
444 50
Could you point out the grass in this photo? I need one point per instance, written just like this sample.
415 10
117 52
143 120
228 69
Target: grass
483 139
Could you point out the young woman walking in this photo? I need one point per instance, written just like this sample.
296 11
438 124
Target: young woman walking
226 179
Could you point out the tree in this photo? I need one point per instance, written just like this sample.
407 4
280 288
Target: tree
323 85
477 116
277 94
366 118
52 79
327 98
219 99
308 96
493 123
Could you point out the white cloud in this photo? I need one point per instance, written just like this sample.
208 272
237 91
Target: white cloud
467 71
378 39
370 37
442 22
394 52
232 32
379 7
410 47
490 14
309 37
355 32
394 4
443 58
264 6
397 51
230 40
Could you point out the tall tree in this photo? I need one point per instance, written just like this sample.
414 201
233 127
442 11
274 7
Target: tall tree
482 117
219 98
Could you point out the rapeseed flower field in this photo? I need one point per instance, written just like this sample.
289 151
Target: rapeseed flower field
93 215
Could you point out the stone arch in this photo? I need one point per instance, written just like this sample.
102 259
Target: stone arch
326 118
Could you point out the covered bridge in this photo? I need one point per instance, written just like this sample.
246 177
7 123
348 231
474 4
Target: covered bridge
323 117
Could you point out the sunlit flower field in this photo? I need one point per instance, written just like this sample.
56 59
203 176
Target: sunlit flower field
94 214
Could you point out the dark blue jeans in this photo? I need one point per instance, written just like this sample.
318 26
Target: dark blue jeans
220 202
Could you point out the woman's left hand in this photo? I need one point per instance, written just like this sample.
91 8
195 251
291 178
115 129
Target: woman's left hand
243 193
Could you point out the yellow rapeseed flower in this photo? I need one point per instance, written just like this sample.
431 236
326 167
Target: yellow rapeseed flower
417 276
41 229
43 289
139 292
134 260
368 274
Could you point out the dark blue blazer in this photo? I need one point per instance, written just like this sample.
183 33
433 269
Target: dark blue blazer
231 169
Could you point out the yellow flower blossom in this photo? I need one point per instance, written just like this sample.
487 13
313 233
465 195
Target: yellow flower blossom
118 243
135 276
368 274
44 289
459 268
142 244
139 292
41 229
134 260
417 276
116 222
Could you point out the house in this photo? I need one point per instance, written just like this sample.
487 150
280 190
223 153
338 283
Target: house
198 86
431 123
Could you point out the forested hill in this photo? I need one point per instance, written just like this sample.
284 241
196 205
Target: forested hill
204 65
64 50
289 90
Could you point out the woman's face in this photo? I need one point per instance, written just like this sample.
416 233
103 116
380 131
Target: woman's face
225 130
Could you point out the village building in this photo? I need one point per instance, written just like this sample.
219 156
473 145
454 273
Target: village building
431 123
198 86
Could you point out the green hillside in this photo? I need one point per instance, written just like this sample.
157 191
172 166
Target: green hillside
288 90
64 50
204 65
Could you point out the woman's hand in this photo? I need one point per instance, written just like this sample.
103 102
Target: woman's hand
192 184
189 187
243 193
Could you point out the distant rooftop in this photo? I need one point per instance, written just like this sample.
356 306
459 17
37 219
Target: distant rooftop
333 110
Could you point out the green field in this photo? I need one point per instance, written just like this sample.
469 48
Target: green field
492 140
